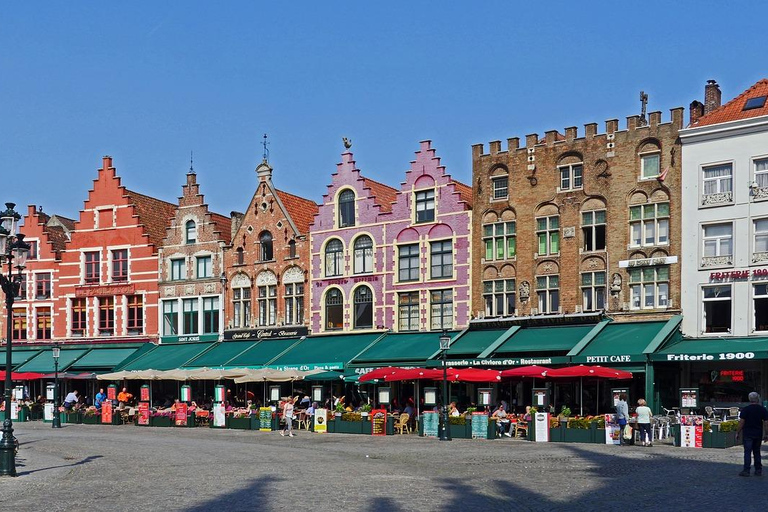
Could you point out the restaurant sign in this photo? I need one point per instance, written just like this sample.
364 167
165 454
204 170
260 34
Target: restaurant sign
509 361
104 290
739 275
706 357
615 359
190 338
307 367
266 333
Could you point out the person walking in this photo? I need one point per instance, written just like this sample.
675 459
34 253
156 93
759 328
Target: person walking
753 429
622 416
288 417
644 414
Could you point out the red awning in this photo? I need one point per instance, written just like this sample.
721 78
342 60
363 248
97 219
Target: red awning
589 371
473 375
21 375
534 371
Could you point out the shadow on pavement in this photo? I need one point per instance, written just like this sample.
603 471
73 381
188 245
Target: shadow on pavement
78 463
256 495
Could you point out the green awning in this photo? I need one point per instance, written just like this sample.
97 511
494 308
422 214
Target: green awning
262 353
331 376
140 352
43 362
472 343
620 342
712 349
325 352
412 348
102 358
220 354
18 357
544 339
168 357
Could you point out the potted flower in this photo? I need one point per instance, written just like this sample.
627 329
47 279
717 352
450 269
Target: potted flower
91 417
565 413
161 419
238 420
350 423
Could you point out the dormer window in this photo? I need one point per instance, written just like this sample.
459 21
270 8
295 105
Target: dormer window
425 206
346 208
191 232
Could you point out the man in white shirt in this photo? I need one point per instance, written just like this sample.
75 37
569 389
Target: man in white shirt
70 400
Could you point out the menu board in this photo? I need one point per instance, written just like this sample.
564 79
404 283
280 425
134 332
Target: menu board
689 398
541 424
265 419
219 416
181 414
106 412
479 425
378 422
143 413
112 392
612 430
431 422
48 412
691 431
14 410
321 420
616 392
144 394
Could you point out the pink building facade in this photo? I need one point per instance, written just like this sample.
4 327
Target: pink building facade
383 258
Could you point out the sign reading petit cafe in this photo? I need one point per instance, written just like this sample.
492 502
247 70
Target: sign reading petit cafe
737 275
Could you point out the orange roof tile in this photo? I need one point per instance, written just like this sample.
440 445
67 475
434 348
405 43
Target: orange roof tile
384 195
154 214
302 211
465 192
734 109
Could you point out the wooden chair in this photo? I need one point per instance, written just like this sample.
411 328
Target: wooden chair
402 423
521 429
304 420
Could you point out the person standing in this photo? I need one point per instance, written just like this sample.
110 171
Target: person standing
753 429
288 417
644 414
100 397
622 416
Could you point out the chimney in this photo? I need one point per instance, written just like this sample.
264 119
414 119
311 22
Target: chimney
711 96
697 110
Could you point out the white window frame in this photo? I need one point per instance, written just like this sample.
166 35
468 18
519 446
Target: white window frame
639 289
760 175
722 184
717 239
496 188
546 296
704 300
497 290
650 154
590 291
569 175
649 225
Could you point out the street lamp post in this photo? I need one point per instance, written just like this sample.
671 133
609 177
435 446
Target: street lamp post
56 351
445 343
12 247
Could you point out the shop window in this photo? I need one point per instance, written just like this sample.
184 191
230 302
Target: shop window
571 177
190 232
190 316
294 304
241 302
363 299
267 304
210 315
592 291
119 265
43 323
106 316
441 257
760 299
649 287
346 208
408 262
500 241
500 187
649 224
334 310
548 293
78 316
170 318
43 285
363 257
408 311
19 329
425 206
92 267
204 267
135 324
499 298
593 230
265 246
441 304
717 309
548 235
178 272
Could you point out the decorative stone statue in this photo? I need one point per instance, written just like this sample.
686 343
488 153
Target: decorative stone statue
616 283
524 290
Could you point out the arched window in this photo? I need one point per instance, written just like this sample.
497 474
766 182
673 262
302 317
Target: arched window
239 256
363 308
334 258
363 254
191 232
265 240
334 310
346 208
291 248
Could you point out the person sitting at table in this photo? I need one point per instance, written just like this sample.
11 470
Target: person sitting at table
192 406
453 410
527 416
502 421
124 397
70 401
100 397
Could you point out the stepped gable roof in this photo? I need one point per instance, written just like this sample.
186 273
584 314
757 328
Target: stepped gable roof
154 214
465 192
384 195
734 109
223 225
57 236
302 211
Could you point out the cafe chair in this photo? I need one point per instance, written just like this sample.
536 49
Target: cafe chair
402 423
710 414
304 420
733 413
521 430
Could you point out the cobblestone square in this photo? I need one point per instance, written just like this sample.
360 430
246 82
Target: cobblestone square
83 467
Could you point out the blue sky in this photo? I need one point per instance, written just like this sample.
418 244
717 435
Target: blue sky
147 82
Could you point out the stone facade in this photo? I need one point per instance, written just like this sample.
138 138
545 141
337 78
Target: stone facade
191 266
392 259
267 263
569 224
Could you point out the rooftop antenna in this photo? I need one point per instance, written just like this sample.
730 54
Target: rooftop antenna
265 154
191 163
644 106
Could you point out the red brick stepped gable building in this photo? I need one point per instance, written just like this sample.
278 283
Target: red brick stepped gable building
34 309
267 264
191 266
108 279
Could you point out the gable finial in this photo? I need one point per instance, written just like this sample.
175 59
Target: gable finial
347 142
191 163
265 154
644 105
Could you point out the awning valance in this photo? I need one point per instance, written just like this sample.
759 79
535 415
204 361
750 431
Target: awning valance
168 357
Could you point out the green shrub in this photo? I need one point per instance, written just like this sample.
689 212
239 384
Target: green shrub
351 416
729 426
457 420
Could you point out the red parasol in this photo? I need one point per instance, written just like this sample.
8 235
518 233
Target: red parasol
378 373
473 375
21 375
589 371
534 371
413 374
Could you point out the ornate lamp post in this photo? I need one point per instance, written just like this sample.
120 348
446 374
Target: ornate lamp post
56 351
445 343
13 251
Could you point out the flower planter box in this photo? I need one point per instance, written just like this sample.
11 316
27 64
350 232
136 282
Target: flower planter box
71 417
717 439
331 425
23 414
160 421
253 422
460 431
238 423
351 427
577 435
91 419
116 420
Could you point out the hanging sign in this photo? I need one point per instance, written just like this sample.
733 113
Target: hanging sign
689 398
479 425
616 392
106 412
431 421
181 414
378 422
691 431
219 394
321 420
541 420
143 413
265 419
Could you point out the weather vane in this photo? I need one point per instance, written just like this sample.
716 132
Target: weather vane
347 142
644 106
191 166
265 155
